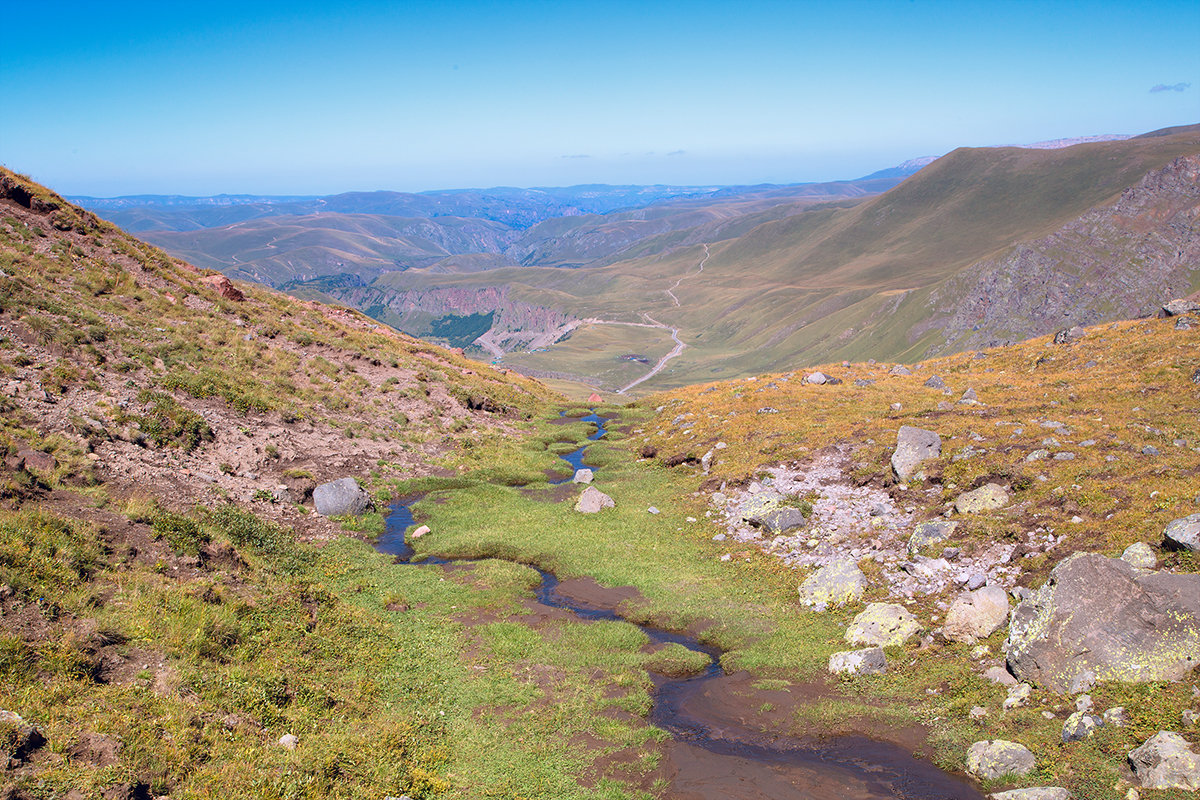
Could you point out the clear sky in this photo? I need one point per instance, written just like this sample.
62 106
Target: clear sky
108 98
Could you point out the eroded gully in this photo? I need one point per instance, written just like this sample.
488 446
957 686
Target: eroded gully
717 750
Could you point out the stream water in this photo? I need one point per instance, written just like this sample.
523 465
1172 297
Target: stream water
717 752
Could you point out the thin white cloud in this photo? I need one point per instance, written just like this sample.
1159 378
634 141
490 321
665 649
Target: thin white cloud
1172 87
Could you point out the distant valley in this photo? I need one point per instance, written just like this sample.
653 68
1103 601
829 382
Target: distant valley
588 285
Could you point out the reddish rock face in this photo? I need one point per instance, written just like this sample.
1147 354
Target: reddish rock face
224 287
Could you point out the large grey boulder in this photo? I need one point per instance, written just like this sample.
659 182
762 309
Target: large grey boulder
883 625
1166 761
836 583
998 757
913 446
343 496
929 533
989 497
1099 618
1184 533
1033 793
592 500
976 615
869 661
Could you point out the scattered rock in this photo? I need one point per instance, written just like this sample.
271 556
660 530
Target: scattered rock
1177 307
869 661
1080 726
1033 793
976 615
23 739
1184 533
816 378
1069 335
419 532
343 496
1140 555
1149 450
989 497
224 287
582 476
929 533
1166 761
1099 618
289 741
999 675
882 625
1116 716
899 369
1018 696
1038 455
992 759
935 382
969 398
838 582
977 712
592 500
913 446
652 510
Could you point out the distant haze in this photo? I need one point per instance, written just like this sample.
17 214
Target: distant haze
308 98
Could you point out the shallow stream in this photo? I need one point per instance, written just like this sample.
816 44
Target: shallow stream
717 750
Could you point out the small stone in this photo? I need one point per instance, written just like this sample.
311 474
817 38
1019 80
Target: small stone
1149 450
900 369
592 500
582 476
1018 696
1084 703
1038 455
289 741
929 533
419 532
978 712
869 661
838 582
935 382
882 625
989 497
816 378
653 510
999 675
976 615
1116 716
995 758
969 398
1080 726
1140 555
1190 716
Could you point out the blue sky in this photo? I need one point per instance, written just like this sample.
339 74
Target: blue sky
314 98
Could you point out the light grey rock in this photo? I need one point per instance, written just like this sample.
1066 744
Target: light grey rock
997 757
1038 455
836 583
343 496
1018 696
1033 793
1099 618
976 615
913 446
1184 533
1140 555
989 497
978 712
935 382
783 519
582 476
289 741
999 675
969 398
419 532
899 369
1149 450
1166 761
930 533
592 500
1084 703
882 625
817 378
1080 726
1116 716
1069 335
869 661
1179 306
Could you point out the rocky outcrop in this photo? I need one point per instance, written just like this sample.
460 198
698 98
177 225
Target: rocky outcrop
1166 761
343 496
1100 619
883 625
224 287
913 446
1082 274
995 758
